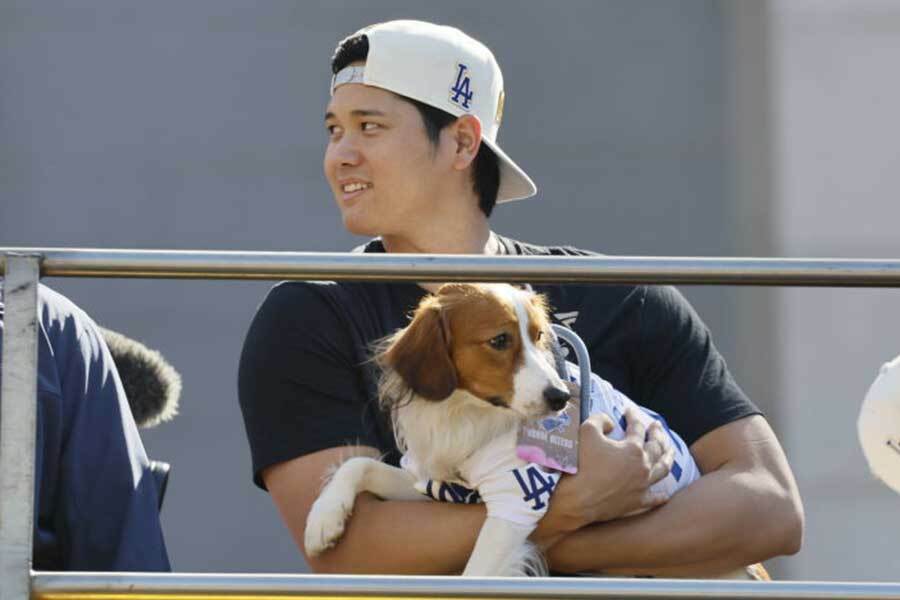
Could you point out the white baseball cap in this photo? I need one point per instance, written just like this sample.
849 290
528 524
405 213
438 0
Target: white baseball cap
879 425
444 68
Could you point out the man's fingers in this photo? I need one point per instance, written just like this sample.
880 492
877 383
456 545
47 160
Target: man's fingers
601 421
608 424
655 433
661 467
635 427
660 453
654 499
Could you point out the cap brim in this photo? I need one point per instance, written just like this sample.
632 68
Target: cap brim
515 184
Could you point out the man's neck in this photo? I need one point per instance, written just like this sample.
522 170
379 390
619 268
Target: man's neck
474 238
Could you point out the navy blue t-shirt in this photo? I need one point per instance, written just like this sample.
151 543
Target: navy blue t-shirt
307 382
96 502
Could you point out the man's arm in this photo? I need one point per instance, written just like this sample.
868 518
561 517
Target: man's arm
746 508
418 538
383 537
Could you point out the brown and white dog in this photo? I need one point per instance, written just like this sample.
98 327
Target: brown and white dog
470 367
458 381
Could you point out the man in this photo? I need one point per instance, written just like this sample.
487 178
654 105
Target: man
412 157
96 501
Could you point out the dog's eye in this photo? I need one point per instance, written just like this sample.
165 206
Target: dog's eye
540 335
499 342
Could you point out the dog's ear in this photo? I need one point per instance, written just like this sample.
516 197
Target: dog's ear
540 302
420 354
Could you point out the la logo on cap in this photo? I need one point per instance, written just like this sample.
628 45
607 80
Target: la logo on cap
461 93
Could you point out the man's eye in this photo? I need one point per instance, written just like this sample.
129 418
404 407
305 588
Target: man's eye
499 342
369 126
333 130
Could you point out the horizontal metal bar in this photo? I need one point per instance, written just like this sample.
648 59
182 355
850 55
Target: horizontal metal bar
180 264
139 586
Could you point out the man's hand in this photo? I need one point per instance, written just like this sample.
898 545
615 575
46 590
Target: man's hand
744 509
613 480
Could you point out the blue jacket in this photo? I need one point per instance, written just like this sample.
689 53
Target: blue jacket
96 503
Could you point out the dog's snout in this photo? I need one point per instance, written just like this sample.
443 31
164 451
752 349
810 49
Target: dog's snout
556 397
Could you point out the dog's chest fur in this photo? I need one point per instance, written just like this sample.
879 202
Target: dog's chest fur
441 436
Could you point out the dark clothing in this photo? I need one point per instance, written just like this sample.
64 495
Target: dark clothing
306 382
96 502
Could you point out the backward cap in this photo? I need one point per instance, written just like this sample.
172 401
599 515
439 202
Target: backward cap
443 67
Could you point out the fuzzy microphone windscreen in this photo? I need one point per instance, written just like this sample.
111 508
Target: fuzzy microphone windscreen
152 385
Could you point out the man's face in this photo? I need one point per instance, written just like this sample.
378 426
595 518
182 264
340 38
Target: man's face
383 170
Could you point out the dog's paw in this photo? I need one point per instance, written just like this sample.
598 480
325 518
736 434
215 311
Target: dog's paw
326 521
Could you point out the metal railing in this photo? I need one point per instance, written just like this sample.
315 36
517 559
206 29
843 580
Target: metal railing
24 266
124 586
179 264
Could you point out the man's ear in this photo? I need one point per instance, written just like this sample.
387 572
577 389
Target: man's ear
420 354
467 139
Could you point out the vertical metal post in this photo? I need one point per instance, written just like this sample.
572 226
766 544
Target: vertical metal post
18 422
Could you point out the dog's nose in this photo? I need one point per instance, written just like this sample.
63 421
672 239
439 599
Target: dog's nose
556 397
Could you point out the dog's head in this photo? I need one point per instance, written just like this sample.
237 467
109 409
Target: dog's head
491 340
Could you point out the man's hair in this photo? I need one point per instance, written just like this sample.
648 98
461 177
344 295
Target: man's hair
486 172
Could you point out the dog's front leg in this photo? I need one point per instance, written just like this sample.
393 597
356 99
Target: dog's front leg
328 516
503 549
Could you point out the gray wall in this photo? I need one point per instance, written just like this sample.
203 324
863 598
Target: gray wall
198 126
834 95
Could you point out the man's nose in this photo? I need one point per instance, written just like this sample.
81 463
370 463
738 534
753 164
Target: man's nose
346 151
555 397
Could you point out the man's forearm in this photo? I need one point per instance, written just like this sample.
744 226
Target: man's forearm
725 520
404 538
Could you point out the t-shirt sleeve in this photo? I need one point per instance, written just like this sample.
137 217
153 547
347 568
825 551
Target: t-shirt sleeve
299 385
682 375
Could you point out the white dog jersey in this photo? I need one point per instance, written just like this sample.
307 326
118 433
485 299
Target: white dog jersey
517 491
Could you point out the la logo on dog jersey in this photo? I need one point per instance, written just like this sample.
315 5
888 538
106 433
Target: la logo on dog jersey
461 93
537 485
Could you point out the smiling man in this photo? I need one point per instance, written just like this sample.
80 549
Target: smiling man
376 132
412 158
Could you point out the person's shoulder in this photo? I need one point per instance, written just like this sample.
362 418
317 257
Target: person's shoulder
318 308
295 317
58 306
71 347
291 293
308 297
666 299
521 248
666 313
568 298
61 317
306 301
